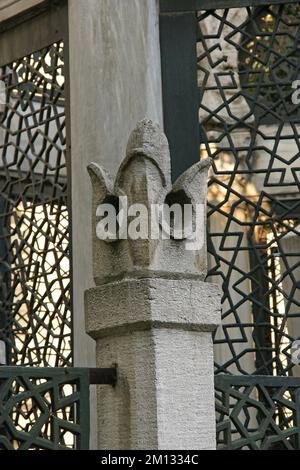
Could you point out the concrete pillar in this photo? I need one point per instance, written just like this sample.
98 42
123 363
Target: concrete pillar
151 313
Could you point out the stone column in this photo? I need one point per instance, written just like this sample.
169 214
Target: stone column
151 312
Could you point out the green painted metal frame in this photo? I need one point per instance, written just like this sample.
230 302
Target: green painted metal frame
258 412
42 390
44 29
54 379
266 380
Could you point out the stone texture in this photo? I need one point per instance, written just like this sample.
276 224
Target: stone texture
164 397
151 314
185 390
141 304
157 332
144 177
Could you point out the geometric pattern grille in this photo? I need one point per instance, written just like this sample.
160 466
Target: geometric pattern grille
35 316
248 59
262 414
44 409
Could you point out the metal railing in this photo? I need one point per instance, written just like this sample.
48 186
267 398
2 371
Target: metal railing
47 408
258 412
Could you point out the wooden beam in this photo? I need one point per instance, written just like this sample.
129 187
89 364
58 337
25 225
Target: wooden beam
196 5
11 8
46 26
15 12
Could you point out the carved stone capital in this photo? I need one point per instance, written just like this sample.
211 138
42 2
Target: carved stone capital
144 177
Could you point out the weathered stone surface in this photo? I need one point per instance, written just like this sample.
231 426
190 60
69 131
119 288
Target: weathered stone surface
158 333
150 313
164 397
141 304
144 178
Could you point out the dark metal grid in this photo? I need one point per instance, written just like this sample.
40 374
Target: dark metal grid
270 64
34 222
44 409
254 187
258 413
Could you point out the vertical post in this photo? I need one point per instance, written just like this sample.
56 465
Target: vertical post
151 313
178 41
115 80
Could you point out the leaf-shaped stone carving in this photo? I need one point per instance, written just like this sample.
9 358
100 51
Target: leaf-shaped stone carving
144 178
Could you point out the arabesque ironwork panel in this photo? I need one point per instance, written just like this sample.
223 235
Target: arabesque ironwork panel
258 412
35 313
44 408
248 64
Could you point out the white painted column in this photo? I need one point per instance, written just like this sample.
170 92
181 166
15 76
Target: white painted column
115 80
151 313
290 245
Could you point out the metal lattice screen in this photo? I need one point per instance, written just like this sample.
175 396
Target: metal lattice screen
248 59
236 94
44 409
257 412
35 315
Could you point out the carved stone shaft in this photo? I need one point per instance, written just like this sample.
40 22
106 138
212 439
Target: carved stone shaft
151 313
